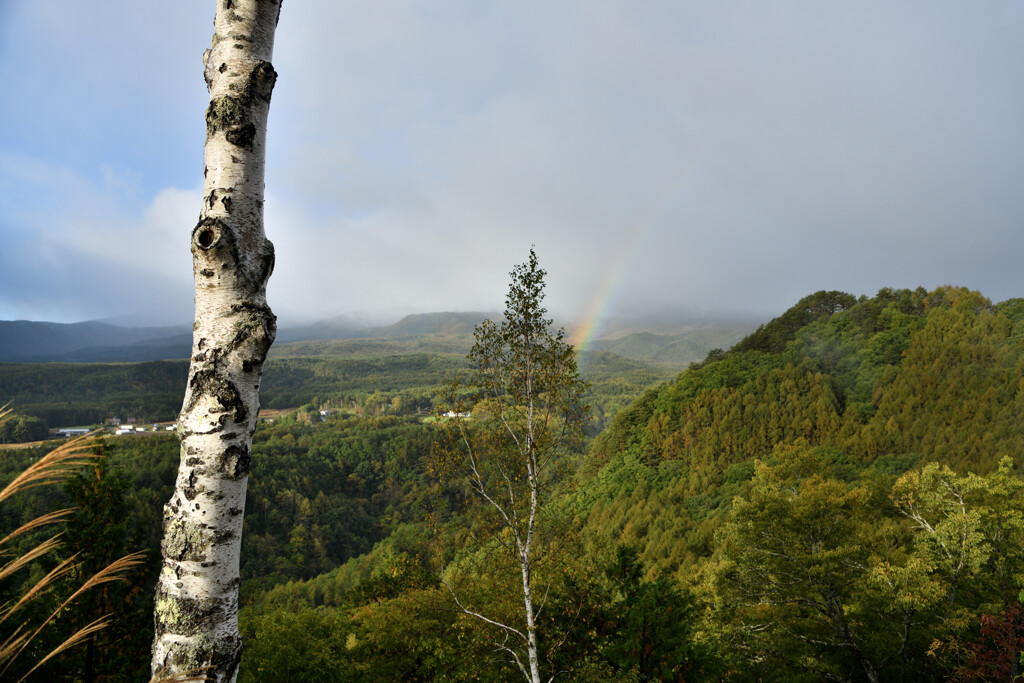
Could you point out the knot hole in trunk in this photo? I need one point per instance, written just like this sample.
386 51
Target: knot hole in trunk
206 235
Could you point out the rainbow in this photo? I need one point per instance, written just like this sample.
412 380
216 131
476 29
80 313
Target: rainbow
597 312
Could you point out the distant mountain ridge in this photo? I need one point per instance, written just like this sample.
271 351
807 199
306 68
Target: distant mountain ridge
447 332
338 327
449 324
675 350
24 341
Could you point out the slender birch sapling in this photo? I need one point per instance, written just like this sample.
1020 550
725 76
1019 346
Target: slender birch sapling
196 615
529 412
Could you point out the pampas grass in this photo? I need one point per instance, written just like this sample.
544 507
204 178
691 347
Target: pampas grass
16 635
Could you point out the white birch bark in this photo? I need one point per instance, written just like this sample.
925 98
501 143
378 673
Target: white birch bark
534 410
196 614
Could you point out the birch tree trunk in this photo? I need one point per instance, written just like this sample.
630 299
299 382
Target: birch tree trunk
196 614
533 412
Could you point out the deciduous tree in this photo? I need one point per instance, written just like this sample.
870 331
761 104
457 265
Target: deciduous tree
197 594
529 410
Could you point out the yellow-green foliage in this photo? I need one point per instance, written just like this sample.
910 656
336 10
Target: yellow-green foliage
785 483
817 577
899 379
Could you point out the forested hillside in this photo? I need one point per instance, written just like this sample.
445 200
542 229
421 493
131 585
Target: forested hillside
809 444
838 497
66 394
798 498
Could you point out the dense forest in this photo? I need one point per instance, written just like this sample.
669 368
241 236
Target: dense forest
380 377
838 496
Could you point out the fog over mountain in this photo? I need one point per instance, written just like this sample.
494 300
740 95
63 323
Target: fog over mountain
675 158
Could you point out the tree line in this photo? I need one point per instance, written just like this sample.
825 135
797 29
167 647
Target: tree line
843 503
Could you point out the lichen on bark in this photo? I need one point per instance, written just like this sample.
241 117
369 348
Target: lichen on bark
197 595
191 617
183 540
223 113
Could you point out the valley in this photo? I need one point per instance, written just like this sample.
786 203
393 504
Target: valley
784 507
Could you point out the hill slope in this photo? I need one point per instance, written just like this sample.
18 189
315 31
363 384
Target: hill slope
775 481
670 350
769 492
880 384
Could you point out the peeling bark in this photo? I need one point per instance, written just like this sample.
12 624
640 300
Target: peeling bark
196 614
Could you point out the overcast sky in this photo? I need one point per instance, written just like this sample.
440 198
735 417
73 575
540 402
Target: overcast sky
661 155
